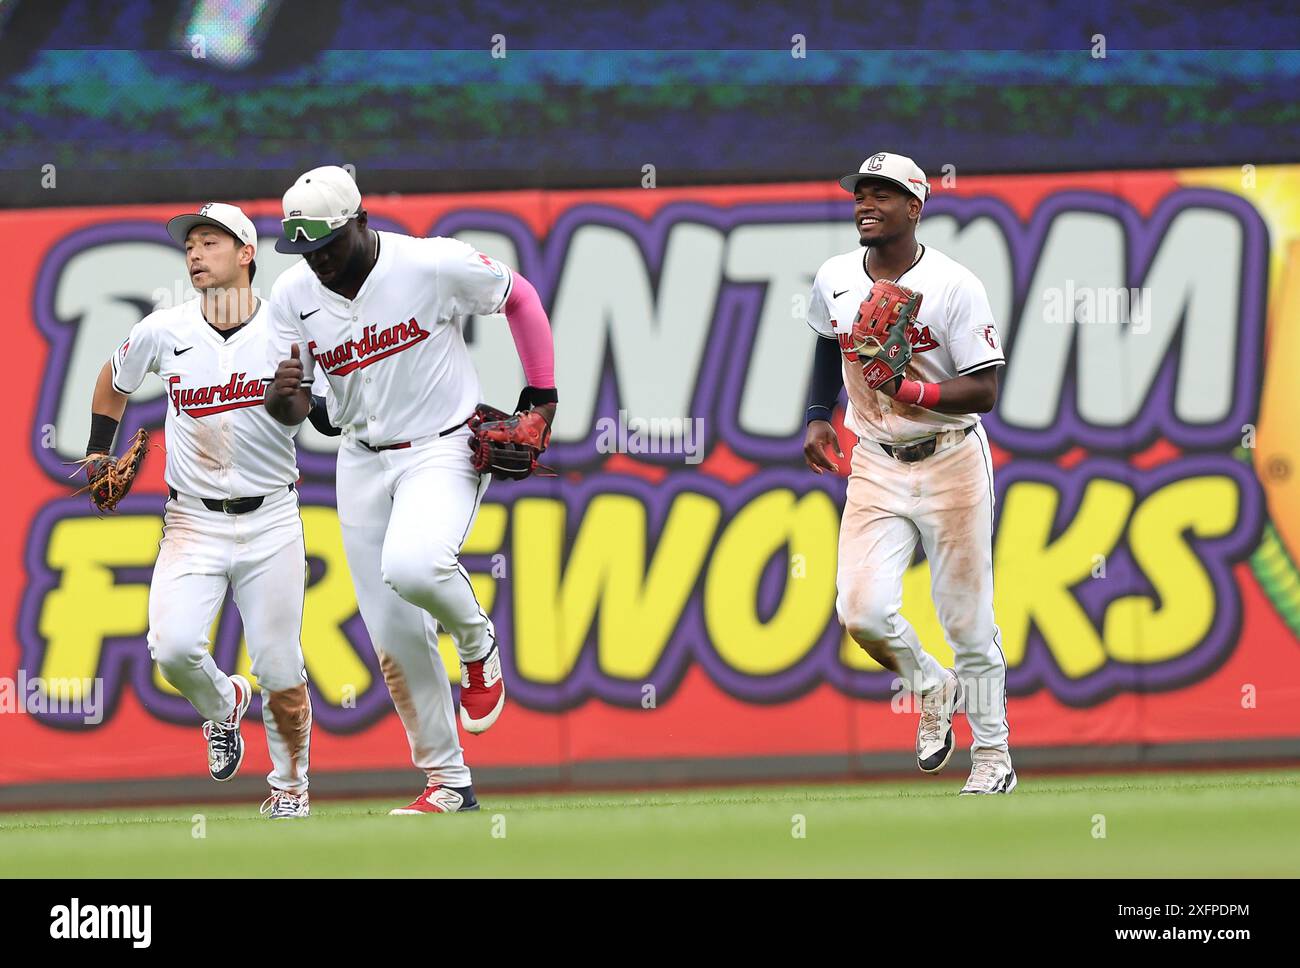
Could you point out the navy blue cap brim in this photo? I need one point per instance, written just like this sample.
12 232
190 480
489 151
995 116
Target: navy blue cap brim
299 246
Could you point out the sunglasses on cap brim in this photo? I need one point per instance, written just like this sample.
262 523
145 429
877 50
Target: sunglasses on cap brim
300 228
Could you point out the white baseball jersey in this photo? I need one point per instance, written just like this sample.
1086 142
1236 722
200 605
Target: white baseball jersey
954 334
221 442
944 501
395 356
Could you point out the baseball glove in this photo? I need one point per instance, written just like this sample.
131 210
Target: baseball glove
110 478
879 338
507 447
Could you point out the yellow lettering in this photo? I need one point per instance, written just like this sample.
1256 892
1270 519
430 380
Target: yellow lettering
1033 573
1142 629
88 605
555 605
763 527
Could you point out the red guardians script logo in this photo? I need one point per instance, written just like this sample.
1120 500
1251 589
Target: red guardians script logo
235 393
374 345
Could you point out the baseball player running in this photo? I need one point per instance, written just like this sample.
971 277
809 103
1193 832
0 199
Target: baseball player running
381 315
232 513
920 362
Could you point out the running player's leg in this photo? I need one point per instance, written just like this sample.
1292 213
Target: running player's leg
403 636
875 549
435 503
957 533
268 581
189 584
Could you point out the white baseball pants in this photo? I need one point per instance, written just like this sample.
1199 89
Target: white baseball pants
262 557
405 515
945 501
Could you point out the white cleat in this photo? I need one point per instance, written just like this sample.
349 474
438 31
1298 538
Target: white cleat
991 772
282 804
934 742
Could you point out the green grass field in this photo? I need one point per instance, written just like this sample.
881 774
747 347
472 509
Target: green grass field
1162 825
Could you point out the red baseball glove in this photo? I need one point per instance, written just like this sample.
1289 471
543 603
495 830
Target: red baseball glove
878 340
507 447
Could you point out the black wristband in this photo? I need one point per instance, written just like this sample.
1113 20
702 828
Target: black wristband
816 412
103 429
320 418
531 397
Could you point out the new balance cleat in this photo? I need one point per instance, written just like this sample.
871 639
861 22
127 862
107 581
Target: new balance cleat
482 692
439 799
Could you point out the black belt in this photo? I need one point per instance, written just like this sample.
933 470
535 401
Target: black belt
230 505
402 446
910 453
406 443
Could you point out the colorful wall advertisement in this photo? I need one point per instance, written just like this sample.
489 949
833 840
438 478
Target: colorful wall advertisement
670 595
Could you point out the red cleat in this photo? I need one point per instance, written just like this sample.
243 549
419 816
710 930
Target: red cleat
482 692
440 799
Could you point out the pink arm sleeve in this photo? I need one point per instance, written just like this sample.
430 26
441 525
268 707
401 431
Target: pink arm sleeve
532 333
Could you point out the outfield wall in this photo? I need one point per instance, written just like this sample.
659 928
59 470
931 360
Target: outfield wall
671 616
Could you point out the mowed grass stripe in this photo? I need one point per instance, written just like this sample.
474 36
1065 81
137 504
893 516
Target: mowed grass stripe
1187 824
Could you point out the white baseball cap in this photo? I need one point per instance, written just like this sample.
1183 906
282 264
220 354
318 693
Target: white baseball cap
327 195
898 169
231 218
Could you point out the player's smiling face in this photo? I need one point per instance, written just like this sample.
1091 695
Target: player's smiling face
882 211
213 258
